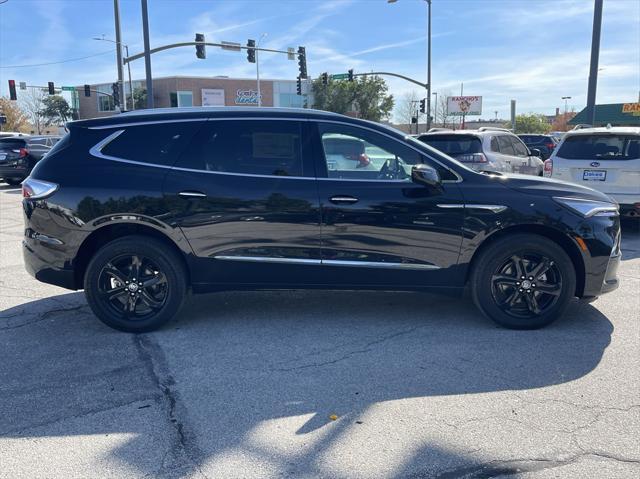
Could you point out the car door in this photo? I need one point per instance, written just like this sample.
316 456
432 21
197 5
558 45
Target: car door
244 194
527 164
378 227
507 154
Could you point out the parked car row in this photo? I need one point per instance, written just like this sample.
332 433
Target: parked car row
19 154
139 208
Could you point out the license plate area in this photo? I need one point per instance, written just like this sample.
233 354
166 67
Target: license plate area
594 175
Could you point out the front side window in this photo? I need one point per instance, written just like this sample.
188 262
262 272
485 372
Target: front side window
355 153
600 147
519 147
158 144
506 147
267 148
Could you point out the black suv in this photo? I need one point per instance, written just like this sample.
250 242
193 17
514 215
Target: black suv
544 143
142 207
19 154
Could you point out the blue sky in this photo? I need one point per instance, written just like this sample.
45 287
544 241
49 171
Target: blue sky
531 51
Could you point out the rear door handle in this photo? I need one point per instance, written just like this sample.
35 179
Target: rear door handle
342 200
192 194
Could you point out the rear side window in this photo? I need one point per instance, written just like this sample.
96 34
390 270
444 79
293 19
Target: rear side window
258 147
454 145
158 144
600 147
38 141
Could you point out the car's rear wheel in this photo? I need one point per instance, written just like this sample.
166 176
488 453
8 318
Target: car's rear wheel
135 284
523 281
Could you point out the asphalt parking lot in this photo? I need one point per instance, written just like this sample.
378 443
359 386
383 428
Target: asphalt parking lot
249 385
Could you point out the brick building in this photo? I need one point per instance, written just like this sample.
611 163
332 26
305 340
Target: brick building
179 91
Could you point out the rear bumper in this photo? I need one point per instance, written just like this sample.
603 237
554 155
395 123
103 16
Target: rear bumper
14 172
44 269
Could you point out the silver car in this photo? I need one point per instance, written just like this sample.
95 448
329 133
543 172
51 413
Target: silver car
487 149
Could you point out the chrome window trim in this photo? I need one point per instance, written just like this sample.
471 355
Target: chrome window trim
492 208
96 149
328 262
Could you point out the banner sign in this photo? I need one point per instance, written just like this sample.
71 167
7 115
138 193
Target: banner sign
246 97
212 97
464 105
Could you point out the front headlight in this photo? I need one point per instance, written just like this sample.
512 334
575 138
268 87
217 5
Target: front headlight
588 208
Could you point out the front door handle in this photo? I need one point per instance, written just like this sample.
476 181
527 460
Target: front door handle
192 194
342 200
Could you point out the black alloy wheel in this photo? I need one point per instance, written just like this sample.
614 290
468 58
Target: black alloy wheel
522 281
136 283
133 286
526 285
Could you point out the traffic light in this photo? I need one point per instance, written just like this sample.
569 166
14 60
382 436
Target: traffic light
423 105
251 51
299 86
201 50
350 74
52 89
87 90
302 62
12 90
115 92
325 78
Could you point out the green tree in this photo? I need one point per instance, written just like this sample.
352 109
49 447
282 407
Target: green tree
531 123
139 98
366 95
55 110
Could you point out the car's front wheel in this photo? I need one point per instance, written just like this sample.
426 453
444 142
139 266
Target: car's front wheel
135 284
523 281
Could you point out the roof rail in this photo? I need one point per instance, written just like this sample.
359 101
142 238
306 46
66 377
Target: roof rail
492 128
582 126
433 130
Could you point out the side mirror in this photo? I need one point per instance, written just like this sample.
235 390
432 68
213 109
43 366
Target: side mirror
535 152
425 175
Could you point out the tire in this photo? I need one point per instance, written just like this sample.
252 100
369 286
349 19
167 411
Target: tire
13 181
498 290
160 284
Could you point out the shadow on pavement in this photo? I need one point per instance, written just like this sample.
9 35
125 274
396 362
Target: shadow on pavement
235 361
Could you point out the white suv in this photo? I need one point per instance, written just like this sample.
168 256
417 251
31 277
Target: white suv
486 149
606 159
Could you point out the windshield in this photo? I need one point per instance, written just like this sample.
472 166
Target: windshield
601 147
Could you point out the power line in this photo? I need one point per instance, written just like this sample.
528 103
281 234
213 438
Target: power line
58 62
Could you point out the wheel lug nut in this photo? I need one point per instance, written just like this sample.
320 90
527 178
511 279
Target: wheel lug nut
533 285
521 290
528 291
518 283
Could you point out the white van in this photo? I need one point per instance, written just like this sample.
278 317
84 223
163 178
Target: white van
605 159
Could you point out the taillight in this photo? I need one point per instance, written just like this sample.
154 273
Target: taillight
551 146
472 158
548 168
37 189
22 152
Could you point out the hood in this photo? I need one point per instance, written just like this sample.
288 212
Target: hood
537 185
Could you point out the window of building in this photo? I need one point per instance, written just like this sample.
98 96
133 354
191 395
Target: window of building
181 98
158 144
248 147
105 103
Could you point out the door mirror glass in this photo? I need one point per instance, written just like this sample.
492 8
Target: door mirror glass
425 175
535 152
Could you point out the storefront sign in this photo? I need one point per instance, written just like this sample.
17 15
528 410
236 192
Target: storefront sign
212 97
464 105
633 108
246 97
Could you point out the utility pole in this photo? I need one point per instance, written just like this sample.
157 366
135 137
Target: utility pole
593 69
116 16
258 68
429 64
435 109
147 53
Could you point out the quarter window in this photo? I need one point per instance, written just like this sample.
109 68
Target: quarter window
158 144
519 147
271 148
354 153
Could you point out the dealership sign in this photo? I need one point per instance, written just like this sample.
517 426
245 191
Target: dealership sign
464 105
212 97
246 97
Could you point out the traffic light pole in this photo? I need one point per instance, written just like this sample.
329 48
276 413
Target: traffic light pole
116 15
423 85
137 56
147 53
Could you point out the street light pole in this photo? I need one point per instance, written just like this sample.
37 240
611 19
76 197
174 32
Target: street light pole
435 93
126 49
565 98
258 68
147 53
118 42
428 64
593 68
